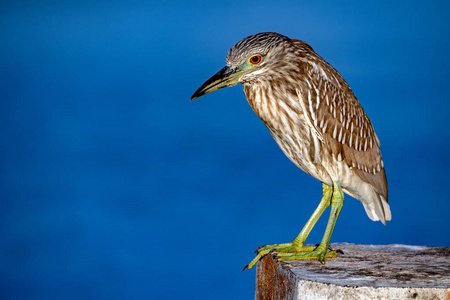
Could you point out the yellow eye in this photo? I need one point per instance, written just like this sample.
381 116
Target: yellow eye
255 59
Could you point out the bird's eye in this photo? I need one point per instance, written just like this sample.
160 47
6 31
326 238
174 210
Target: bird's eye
255 59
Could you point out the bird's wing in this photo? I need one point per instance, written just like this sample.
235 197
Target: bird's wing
339 118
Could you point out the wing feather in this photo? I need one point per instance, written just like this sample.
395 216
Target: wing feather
339 118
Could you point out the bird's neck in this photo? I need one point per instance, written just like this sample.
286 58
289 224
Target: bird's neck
273 106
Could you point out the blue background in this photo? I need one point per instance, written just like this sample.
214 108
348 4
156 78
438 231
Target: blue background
115 186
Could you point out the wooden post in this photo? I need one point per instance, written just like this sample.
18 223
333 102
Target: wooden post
362 272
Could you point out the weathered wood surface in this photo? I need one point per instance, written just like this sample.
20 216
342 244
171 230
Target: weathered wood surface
362 272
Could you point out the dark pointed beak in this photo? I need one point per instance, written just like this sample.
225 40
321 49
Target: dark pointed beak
227 76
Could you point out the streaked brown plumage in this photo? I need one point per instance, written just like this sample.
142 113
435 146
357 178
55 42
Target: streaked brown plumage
312 114
319 124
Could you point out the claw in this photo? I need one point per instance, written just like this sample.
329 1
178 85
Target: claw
256 251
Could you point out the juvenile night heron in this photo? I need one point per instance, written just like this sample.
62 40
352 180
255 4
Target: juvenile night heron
319 124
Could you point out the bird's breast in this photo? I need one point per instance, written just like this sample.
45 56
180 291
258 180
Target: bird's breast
282 114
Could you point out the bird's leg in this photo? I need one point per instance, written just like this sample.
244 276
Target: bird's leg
320 252
297 244
323 205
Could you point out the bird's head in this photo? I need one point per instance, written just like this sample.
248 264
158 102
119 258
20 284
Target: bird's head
248 59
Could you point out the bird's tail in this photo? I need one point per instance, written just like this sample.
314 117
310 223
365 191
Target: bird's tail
378 209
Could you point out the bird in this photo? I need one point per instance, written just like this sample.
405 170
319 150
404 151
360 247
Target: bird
319 124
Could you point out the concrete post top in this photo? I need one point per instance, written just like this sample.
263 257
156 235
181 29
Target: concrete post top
392 270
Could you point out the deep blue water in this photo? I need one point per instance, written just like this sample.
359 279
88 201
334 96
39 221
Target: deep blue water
115 186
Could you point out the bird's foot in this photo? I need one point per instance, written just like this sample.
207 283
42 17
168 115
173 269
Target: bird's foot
286 248
291 251
319 253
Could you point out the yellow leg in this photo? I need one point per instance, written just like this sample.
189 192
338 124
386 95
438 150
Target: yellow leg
320 252
288 249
